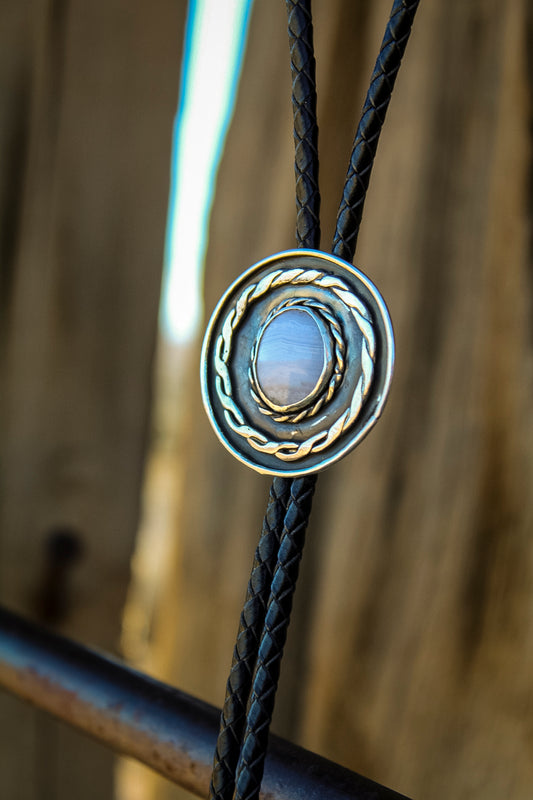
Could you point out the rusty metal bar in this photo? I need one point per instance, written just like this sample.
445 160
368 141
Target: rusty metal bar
164 728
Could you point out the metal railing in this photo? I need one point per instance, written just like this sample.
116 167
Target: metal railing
163 727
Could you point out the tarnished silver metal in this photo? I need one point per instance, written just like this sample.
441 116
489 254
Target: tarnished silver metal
297 362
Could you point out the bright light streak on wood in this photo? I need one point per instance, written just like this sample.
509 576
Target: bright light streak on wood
216 33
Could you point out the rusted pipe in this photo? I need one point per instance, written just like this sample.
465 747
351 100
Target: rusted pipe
164 728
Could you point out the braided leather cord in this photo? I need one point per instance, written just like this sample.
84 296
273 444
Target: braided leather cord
238 770
278 517
372 119
251 764
239 685
305 123
254 746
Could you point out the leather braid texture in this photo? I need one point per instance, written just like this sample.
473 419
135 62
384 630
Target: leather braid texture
372 119
252 683
265 682
239 685
276 524
305 123
291 532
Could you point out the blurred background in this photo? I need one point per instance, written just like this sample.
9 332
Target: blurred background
139 176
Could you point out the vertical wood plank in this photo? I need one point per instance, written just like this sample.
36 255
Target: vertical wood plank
89 92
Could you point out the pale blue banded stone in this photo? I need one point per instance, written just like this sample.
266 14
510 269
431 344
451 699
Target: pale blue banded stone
290 359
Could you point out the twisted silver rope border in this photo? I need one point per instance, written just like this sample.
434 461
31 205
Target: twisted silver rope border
286 450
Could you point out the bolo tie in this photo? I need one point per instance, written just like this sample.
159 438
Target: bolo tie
296 366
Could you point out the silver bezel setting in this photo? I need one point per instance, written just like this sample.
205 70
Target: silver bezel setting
331 373
348 398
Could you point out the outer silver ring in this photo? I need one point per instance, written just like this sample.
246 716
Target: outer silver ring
346 414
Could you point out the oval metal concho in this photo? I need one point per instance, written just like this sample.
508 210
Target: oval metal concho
317 403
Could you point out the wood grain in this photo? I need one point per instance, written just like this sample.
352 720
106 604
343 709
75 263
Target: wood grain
88 94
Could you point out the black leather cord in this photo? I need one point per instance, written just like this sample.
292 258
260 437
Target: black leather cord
252 684
251 764
239 685
305 123
372 119
254 746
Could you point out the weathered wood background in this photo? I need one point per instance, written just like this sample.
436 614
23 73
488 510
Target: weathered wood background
410 656
88 92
